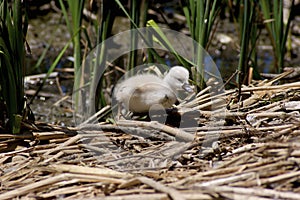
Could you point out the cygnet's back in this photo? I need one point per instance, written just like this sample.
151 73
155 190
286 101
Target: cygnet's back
141 92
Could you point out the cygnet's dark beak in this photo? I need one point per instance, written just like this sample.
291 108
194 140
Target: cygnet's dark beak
187 87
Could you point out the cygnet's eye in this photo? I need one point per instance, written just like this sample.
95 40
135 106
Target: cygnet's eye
180 80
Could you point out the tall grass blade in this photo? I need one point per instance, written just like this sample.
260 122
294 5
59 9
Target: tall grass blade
145 39
12 54
74 26
98 66
200 16
278 30
135 15
164 42
244 41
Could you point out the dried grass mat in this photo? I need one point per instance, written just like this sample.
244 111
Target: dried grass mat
253 154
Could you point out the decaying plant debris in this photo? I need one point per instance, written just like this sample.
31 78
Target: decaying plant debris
254 155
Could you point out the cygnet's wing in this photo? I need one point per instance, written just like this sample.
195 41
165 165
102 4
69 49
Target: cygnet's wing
149 94
139 93
125 89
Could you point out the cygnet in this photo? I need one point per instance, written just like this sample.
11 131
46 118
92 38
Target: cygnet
140 93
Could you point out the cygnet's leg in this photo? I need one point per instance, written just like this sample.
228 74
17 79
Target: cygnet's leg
120 114
118 117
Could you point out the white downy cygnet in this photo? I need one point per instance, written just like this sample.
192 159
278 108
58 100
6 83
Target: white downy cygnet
140 93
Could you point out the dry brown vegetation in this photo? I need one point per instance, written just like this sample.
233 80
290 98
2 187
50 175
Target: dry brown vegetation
254 155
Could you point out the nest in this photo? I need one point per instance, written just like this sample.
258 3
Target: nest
250 151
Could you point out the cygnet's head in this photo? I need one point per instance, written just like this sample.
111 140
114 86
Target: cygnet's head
177 78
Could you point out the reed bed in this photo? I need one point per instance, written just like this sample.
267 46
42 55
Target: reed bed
254 155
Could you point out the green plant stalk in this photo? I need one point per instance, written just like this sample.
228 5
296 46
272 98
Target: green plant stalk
200 26
135 15
98 67
87 38
104 32
266 9
144 12
188 16
215 10
76 13
287 33
145 39
12 52
244 40
203 35
200 17
253 53
289 44
278 11
164 42
18 43
193 22
145 6
200 21
74 26
278 32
